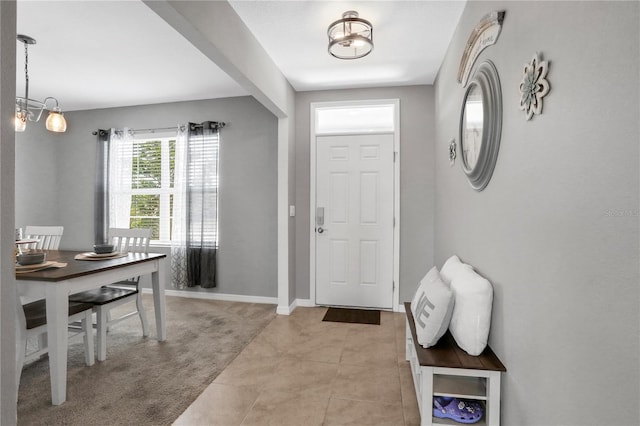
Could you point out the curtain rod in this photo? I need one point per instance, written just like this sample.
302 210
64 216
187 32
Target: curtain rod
159 129
219 124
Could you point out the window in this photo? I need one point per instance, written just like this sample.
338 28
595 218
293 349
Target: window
140 180
148 180
356 118
152 185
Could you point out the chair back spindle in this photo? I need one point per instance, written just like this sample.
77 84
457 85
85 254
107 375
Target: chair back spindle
48 236
130 240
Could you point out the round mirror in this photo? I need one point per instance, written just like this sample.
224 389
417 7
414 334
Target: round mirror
481 125
472 123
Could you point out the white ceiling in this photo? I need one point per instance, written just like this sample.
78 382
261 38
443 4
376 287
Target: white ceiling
410 40
99 54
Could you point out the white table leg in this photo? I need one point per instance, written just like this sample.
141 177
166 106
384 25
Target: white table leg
57 322
157 283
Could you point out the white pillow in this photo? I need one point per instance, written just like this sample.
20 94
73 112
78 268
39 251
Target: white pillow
471 319
432 307
453 267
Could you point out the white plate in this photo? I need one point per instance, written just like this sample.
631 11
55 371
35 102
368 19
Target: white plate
99 255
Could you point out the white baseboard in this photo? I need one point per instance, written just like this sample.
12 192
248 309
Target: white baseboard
218 296
285 310
305 303
288 310
280 310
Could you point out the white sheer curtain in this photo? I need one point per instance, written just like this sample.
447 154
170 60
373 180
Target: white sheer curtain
120 174
179 228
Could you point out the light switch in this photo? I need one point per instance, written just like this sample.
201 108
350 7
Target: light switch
292 211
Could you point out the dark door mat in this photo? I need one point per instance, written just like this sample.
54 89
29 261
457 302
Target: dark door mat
354 316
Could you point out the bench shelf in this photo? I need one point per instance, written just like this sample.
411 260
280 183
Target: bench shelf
446 370
460 386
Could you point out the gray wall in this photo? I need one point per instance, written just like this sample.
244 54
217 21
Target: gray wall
64 166
37 174
556 230
416 179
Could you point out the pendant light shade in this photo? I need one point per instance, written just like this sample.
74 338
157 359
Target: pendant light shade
350 37
55 121
21 121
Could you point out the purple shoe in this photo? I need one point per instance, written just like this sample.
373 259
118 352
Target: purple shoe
460 410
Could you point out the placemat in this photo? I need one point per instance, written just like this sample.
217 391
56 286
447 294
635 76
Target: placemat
23 269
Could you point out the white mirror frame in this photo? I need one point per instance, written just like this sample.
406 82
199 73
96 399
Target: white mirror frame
486 78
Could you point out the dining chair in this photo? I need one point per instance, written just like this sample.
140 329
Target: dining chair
106 298
48 236
32 321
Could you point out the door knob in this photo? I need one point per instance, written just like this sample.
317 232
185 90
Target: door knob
320 230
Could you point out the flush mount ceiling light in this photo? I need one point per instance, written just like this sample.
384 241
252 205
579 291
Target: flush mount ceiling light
30 109
350 37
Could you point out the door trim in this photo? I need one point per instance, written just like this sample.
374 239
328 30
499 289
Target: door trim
396 189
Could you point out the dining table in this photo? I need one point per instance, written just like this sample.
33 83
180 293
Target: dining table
81 273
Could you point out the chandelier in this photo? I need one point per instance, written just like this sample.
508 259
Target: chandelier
350 37
31 109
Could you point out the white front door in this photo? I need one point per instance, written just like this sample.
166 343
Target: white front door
354 220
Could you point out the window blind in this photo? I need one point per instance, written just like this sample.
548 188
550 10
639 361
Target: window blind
202 177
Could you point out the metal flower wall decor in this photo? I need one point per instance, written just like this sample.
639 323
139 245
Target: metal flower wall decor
452 152
534 86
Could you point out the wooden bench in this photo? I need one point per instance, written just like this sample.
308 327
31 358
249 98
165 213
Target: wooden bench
447 370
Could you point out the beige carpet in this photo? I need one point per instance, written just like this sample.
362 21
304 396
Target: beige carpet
143 381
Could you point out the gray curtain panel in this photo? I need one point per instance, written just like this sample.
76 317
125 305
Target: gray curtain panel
195 223
101 197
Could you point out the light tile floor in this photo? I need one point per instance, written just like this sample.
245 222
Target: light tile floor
302 371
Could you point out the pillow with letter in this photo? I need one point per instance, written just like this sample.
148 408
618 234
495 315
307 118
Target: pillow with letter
471 317
432 307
